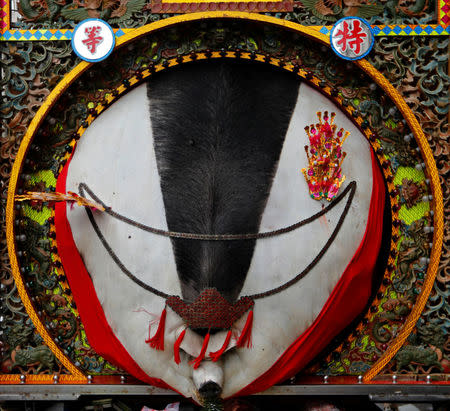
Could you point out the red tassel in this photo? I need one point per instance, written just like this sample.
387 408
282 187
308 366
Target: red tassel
157 341
176 347
217 354
199 359
246 334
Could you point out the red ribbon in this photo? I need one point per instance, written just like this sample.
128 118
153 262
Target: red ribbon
217 354
246 334
176 347
196 362
157 341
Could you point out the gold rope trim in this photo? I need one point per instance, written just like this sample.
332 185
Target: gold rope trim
310 32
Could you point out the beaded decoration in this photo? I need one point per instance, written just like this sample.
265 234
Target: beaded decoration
325 156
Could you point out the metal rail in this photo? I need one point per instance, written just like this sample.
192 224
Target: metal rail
376 392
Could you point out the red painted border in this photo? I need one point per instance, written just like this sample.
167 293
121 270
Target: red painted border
444 12
5 15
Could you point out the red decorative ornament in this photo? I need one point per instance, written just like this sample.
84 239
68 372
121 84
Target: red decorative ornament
325 156
209 311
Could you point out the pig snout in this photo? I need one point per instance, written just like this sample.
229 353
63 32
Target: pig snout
208 379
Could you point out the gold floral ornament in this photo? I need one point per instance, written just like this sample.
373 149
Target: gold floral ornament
325 156
35 196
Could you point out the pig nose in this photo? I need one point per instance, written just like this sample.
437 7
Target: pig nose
210 390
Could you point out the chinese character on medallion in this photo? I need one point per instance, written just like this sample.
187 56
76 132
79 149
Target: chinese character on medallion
93 40
351 38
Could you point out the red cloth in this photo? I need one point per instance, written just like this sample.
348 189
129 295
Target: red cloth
99 333
353 286
347 300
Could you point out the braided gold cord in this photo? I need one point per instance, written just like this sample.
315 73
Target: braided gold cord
158 25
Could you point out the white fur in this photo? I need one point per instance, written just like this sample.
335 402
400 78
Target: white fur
208 371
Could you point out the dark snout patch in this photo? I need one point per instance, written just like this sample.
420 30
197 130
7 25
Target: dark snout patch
210 390
218 131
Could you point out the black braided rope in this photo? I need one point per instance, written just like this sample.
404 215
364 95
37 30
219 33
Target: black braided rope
214 237
220 237
324 249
